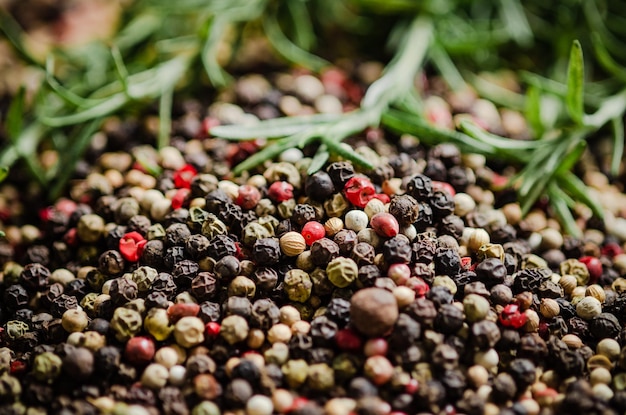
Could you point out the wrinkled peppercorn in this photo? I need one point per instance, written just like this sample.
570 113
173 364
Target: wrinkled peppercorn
340 172
323 251
491 271
397 250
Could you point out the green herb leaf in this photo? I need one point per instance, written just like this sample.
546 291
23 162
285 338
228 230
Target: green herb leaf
320 158
15 116
575 84
618 145
533 111
273 128
4 172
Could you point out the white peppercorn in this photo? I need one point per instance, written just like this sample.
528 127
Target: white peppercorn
289 315
373 207
292 243
154 376
259 405
279 333
609 348
588 307
356 220
189 331
177 374
167 357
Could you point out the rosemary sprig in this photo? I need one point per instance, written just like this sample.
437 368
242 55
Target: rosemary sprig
393 85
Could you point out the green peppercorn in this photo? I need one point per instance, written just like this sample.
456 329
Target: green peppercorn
206 408
242 286
576 268
283 171
342 271
336 206
320 376
12 272
15 329
88 302
491 251
144 276
297 284
156 231
285 208
270 223
253 232
90 228
476 307
157 323
212 227
197 216
46 367
125 323
10 388
295 372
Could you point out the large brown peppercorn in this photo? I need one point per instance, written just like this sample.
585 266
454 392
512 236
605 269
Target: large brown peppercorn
373 311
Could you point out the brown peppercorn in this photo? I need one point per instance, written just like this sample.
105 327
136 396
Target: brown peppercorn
373 311
292 243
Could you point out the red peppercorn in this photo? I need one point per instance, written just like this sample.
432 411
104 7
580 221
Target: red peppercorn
348 340
131 246
382 197
412 386
70 237
248 196
418 285
298 403
139 350
466 262
212 329
280 191
444 187
313 231
594 266
66 206
611 250
184 176
179 310
385 224
207 124
376 347
17 367
359 191
399 273
512 317
180 197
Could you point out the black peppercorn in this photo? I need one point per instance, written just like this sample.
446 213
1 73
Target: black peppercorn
153 252
172 256
363 254
265 279
323 330
491 271
177 234
35 277
367 276
340 172
361 387
523 372
323 251
397 250
165 283
604 325
232 215
423 311
420 187
319 186
451 225
266 251
197 246
440 295
184 272
346 240
449 319
504 388
221 246
530 279
227 268
299 345
405 333
204 286
442 204
447 261
264 314
209 312
424 216
139 223
63 303
111 263
240 306
122 290
485 334
99 325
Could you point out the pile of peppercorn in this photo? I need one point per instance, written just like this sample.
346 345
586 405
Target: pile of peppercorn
161 284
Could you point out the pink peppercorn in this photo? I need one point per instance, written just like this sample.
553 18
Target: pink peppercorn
444 187
594 266
180 197
348 340
184 176
179 310
418 285
131 246
359 191
512 317
376 347
313 231
611 250
248 196
412 386
385 224
139 350
399 273
212 329
280 191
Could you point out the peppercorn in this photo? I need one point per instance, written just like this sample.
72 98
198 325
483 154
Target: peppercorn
90 228
397 250
297 285
340 172
373 311
74 320
125 323
78 362
447 261
491 271
234 329
342 271
356 220
157 323
324 250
